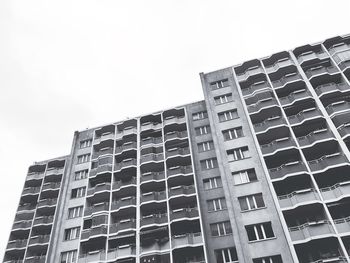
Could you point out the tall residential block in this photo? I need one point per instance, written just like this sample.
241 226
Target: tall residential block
259 171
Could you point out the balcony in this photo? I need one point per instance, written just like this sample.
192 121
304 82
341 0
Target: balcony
257 107
35 259
153 197
92 256
295 96
26 207
182 190
180 170
277 145
184 213
125 163
250 72
155 247
96 208
122 225
285 62
42 220
314 72
152 176
54 171
339 47
121 184
338 107
121 252
307 114
297 198
336 191
124 202
125 147
176 135
100 169
315 136
253 89
125 132
31 191
286 79
344 130
342 224
155 219
17 244
151 126
22 224
39 240
104 137
311 55
151 141
327 161
35 176
287 169
311 230
177 152
173 120
189 239
269 124
152 157
47 202
99 188
51 186
101 152
329 88
94 232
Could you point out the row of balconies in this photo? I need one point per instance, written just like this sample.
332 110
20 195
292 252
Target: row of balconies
23 224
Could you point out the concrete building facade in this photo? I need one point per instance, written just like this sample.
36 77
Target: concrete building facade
258 172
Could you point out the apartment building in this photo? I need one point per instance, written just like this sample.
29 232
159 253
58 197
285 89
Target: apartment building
258 172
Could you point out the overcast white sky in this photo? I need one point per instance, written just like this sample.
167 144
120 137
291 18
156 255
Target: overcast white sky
68 65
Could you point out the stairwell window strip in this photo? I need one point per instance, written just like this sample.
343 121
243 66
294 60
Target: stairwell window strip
83 158
228 115
238 154
202 130
81 175
226 255
232 133
221 229
216 204
211 183
85 143
259 231
209 164
205 146
69 256
223 99
251 202
75 212
200 115
219 84
71 233
245 176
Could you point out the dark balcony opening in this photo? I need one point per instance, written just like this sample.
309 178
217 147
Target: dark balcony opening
176 144
346 242
99 180
339 102
326 79
41 230
46 211
283 72
299 106
306 49
127 124
33 184
319 250
341 118
290 88
37 168
108 160
321 149
181 228
340 209
332 177
151 119
127 180
153 209
283 157
56 164
155 238
126 157
312 66
310 126
14 255
152 188
174 113
312 214
331 42
29 199
347 142
19 235
156 258
152 149
260 118
180 181
50 193
37 254
271 60
103 148
124 219
259 97
189 255
244 67
97 200
178 161
293 184
109 129
179 128
94 221
183 204
93 246
24 216
125 244
273 134
251 82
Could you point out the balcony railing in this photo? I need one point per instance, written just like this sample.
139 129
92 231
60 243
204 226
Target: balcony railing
22 224
151 140
311 55
150 125
286 79
310 230
100 207
338 107
182 190
54 171
26 207
31 190
276 145
249 72
119 184
92 256
124 202
287 169
99 188
320 71
47 202
152 157
315 136
94 232
304 115
177 151
125 147
344 130
180 170
295 96
154 219
104 137
298 197
51 186
43 220
126 132
184 240
121 252
43 239
336 191
331 88
254 88
279 64
153 196
269 123
125 163
102 152
327 161
35 259
176 135
184 213
101 169
35 175
173 119
17 244
152 176
122 225
254 108
342 224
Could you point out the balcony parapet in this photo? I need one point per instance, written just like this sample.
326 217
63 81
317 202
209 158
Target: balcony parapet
184 213
336 191
31 190
92 256
182 190
131 130
328 161
304 115
295 96
269 123
121 252
47 202
17 244
122 225
154 219
261 104
125 163
125 147
42 239
99 188
174 119
94 232
151 125
149 176
338 107
152 157
151 140
249 73
342 224
279 64
101 152
287 169
179 170
315 136
22 224
311 230
101 169
177 151
35 176
331 88
104 137
311 55
176 135
119 184
255 88
153 196
99 207
51 186
314 72
124 202
298 197
189 239
286 79
276 145
344 130
54 171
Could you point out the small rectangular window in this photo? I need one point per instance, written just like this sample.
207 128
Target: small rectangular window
209 164
219 84
69 256
259 231
85 143
228 115
71 233
238 154
211 183
202 130
232 133
200 115
205 146
270 259
251 202
83 158
221 229
226 255
78 192
223 99
216 204
245 176
81 175
75 212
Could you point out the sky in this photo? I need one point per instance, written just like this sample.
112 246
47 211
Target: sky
70 65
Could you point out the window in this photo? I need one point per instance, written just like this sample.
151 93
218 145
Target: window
260 231
226 255
209 164
81 175
212 183
270 259
216 204
219 84
238 154
200 115
232 133
223 99
221 229
205 146
75 212
71 233
243 177
251 202
78 192
228 115
85 143
83 158
69 256
202 130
